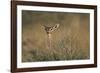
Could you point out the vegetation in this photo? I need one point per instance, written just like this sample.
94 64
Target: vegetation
69 42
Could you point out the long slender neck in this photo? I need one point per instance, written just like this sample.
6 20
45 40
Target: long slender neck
49 40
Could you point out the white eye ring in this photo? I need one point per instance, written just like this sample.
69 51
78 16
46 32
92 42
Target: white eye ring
51 29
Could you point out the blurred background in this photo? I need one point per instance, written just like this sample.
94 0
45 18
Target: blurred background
69 42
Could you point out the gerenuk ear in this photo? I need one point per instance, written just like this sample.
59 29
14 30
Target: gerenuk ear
57 25
42 26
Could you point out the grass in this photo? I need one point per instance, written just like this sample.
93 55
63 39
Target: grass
69 42
65 49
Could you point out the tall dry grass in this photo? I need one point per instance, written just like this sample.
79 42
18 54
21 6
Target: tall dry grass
69 42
